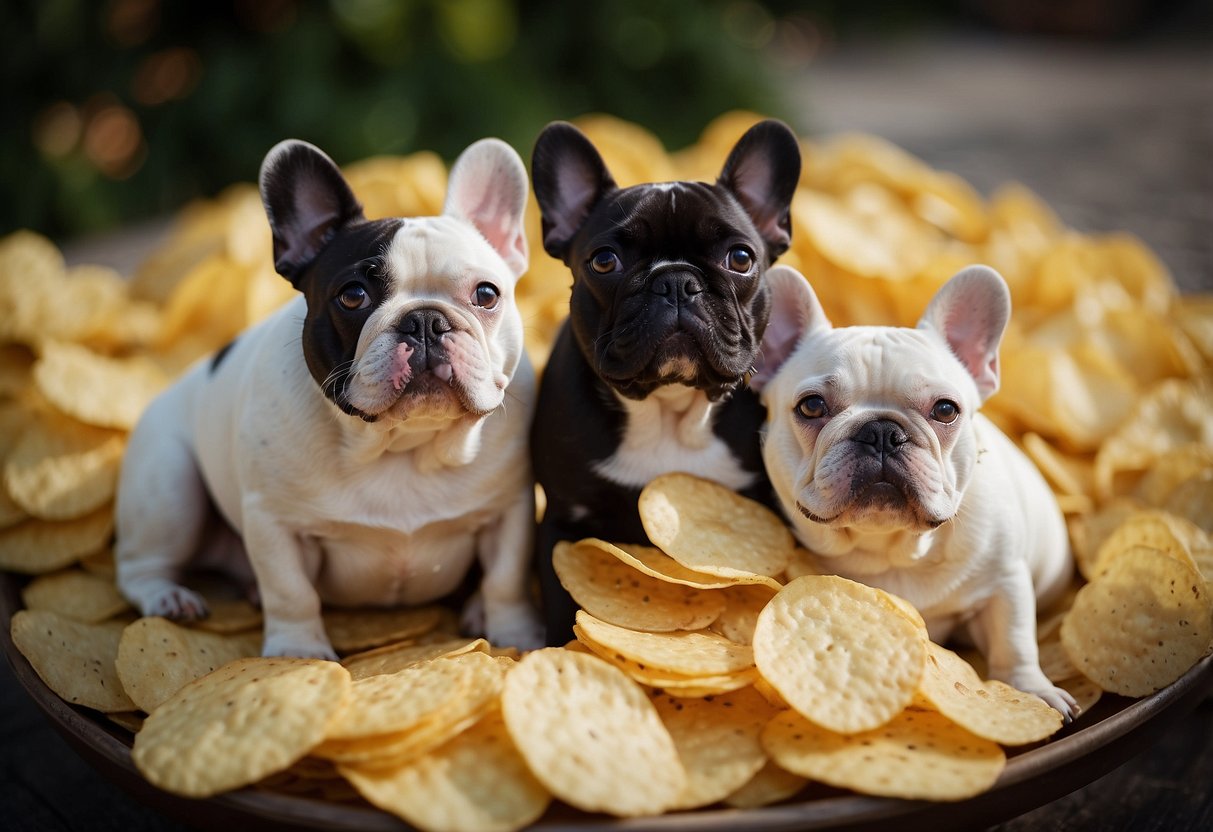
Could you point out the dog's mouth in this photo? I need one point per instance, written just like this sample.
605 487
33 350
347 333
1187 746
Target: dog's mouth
685 351
882 501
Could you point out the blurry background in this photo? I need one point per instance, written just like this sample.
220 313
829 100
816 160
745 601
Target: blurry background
121 110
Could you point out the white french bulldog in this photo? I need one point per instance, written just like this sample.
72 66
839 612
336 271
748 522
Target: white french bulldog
891 477
366 441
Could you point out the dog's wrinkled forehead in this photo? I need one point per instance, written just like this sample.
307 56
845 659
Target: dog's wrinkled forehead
671 216
432 256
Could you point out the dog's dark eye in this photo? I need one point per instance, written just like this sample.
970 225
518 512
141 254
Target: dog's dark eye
812 407
605 261
945 411
486 296
740 259
354 297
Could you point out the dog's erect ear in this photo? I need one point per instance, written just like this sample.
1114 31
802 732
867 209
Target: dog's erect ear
795 312
762 171
970 313
307 200
570 178
488 189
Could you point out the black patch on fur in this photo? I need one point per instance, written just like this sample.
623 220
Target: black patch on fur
218 357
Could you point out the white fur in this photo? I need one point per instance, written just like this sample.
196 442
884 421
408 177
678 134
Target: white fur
333 509
671 430
1001 548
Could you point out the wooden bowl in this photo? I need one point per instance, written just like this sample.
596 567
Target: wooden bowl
1116 729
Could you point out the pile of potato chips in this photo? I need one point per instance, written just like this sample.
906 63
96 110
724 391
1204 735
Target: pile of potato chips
711 668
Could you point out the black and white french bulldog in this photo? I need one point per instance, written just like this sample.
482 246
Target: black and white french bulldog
368 440
667 312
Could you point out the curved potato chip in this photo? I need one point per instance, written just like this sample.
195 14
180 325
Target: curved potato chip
76 660
708 528
1193 499
840 652
351 630
657 564
398 701
919 755
590 735
35 546
61 469
770 785
740 615
75 594
97 390
675 684
281 705
990 709
690 653
1139 625
393 657
1170 470
613 591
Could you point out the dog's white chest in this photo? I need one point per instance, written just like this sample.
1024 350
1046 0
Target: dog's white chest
671 430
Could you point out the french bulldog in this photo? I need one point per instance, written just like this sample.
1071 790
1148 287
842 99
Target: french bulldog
667 311
891 477
367 441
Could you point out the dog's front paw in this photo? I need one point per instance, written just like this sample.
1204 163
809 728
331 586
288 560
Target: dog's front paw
1056 698
298 644
176 603
514 625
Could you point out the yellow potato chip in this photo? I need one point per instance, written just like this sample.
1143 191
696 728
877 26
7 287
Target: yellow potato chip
657 564
771 784
1193 499
989 709
228 615
1054 662
354 630
1087 533
1085 692
803 563
675 684
708 528
130 720
61 469
1069 474
478 782
590 735
690 653
100 562
399 701
919 755
482 677
611 590
393 657
36 546
157 658
1139 625
740 615
247 720
1171 469
28 259
101 391
16 365
717 741
81 596
1149 531
839 652
74 659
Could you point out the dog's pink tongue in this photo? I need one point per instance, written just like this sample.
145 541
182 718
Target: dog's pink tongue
402 372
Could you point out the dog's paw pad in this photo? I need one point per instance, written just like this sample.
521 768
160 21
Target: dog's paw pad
178 604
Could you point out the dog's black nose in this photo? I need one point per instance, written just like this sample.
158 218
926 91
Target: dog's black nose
424 325
676 286
881 437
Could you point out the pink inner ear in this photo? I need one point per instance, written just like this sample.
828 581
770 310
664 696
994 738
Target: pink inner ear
968 333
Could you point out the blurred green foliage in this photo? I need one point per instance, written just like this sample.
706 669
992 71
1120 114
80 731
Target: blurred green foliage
124 109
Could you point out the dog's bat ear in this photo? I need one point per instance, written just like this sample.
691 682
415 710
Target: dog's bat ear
488 188
762 171
307 200
970 313
795 311
570 178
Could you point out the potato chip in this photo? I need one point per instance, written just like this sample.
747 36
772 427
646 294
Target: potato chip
76 660
1088 533
1069 474
1085 692
399 701
771 784
478 782
228 615
36 546
235 726
717 740
919 755
991 709
130 720
690 653
100 562
1148 531
1169 470
839 652
1193 499
742 606
611 590
803 562
157 658
353 630
656 563
676 684
97 390
1139 625
61 469
81 596
481 685
708 528
590 735
393 657
1054 662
